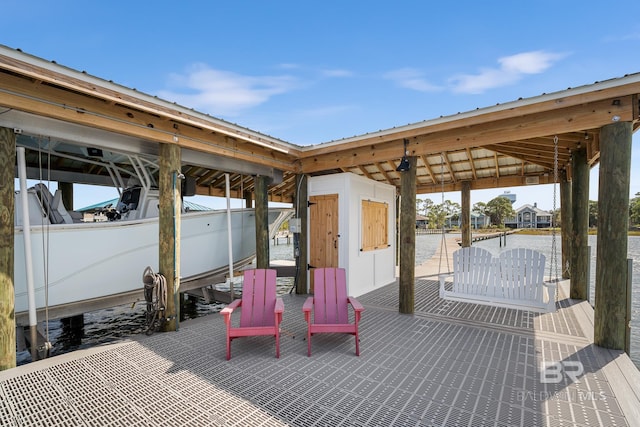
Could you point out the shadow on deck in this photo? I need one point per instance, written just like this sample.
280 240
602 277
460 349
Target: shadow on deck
449 364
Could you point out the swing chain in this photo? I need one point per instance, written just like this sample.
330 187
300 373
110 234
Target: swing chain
443 240
553 268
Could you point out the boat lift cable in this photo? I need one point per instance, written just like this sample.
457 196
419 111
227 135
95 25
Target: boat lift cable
46 282
45 242
227 187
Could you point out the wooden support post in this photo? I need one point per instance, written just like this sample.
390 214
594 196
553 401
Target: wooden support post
7 206
628 313
66 188
301 238
398 229
169 229
466 214
580 221
566 221
262 222
613 226
408 238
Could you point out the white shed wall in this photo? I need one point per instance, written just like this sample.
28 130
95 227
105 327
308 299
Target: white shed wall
367 270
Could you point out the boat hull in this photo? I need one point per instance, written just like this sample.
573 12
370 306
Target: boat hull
95 261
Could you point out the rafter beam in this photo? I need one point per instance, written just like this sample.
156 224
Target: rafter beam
471 162
484 183
365 171
448 165
384 173
543 123
428 167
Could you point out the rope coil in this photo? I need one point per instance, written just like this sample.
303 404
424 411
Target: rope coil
155 294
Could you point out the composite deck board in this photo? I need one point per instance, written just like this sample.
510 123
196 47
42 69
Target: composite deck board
449 364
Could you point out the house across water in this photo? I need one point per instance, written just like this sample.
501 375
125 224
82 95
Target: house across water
528 216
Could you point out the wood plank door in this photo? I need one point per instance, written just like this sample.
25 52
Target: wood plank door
323 232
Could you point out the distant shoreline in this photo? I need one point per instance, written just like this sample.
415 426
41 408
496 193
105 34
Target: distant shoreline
527 231
545 231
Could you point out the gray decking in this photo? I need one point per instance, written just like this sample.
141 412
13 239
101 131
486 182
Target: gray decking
450 364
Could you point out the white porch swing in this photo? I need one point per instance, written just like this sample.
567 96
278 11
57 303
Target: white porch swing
514 279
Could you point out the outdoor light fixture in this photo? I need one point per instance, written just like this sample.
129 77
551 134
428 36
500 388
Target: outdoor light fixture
404 163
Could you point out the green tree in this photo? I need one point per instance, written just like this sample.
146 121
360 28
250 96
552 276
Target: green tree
556 218
634 211
450 206
437 216
499 209
423 206
452 209
479 208
593 213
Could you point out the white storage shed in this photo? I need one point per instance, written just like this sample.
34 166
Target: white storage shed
352 225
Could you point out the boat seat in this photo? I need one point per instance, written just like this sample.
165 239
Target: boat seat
58 206
52 205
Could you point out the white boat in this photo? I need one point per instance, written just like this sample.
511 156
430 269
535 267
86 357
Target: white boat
93 261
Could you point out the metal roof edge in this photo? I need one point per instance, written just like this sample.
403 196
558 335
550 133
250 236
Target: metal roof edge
259 138
242 132
545 97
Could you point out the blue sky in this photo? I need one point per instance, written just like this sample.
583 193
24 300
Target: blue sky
311 72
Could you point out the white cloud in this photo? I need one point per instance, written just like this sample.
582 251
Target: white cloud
224 93
410 78
336 73
529 62
632 36
512 69
327 111
289 66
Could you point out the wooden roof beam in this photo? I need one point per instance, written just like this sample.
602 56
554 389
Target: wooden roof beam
471 162
484 183
286 186
427 165
572 119
74 81
452 175
523 154
86 110
365 171
385 174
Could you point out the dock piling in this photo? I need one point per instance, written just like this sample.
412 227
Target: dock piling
7 206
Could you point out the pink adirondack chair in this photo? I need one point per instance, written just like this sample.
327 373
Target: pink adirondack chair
261 312
330 306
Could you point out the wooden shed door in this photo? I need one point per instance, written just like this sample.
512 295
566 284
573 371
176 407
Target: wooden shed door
323 232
